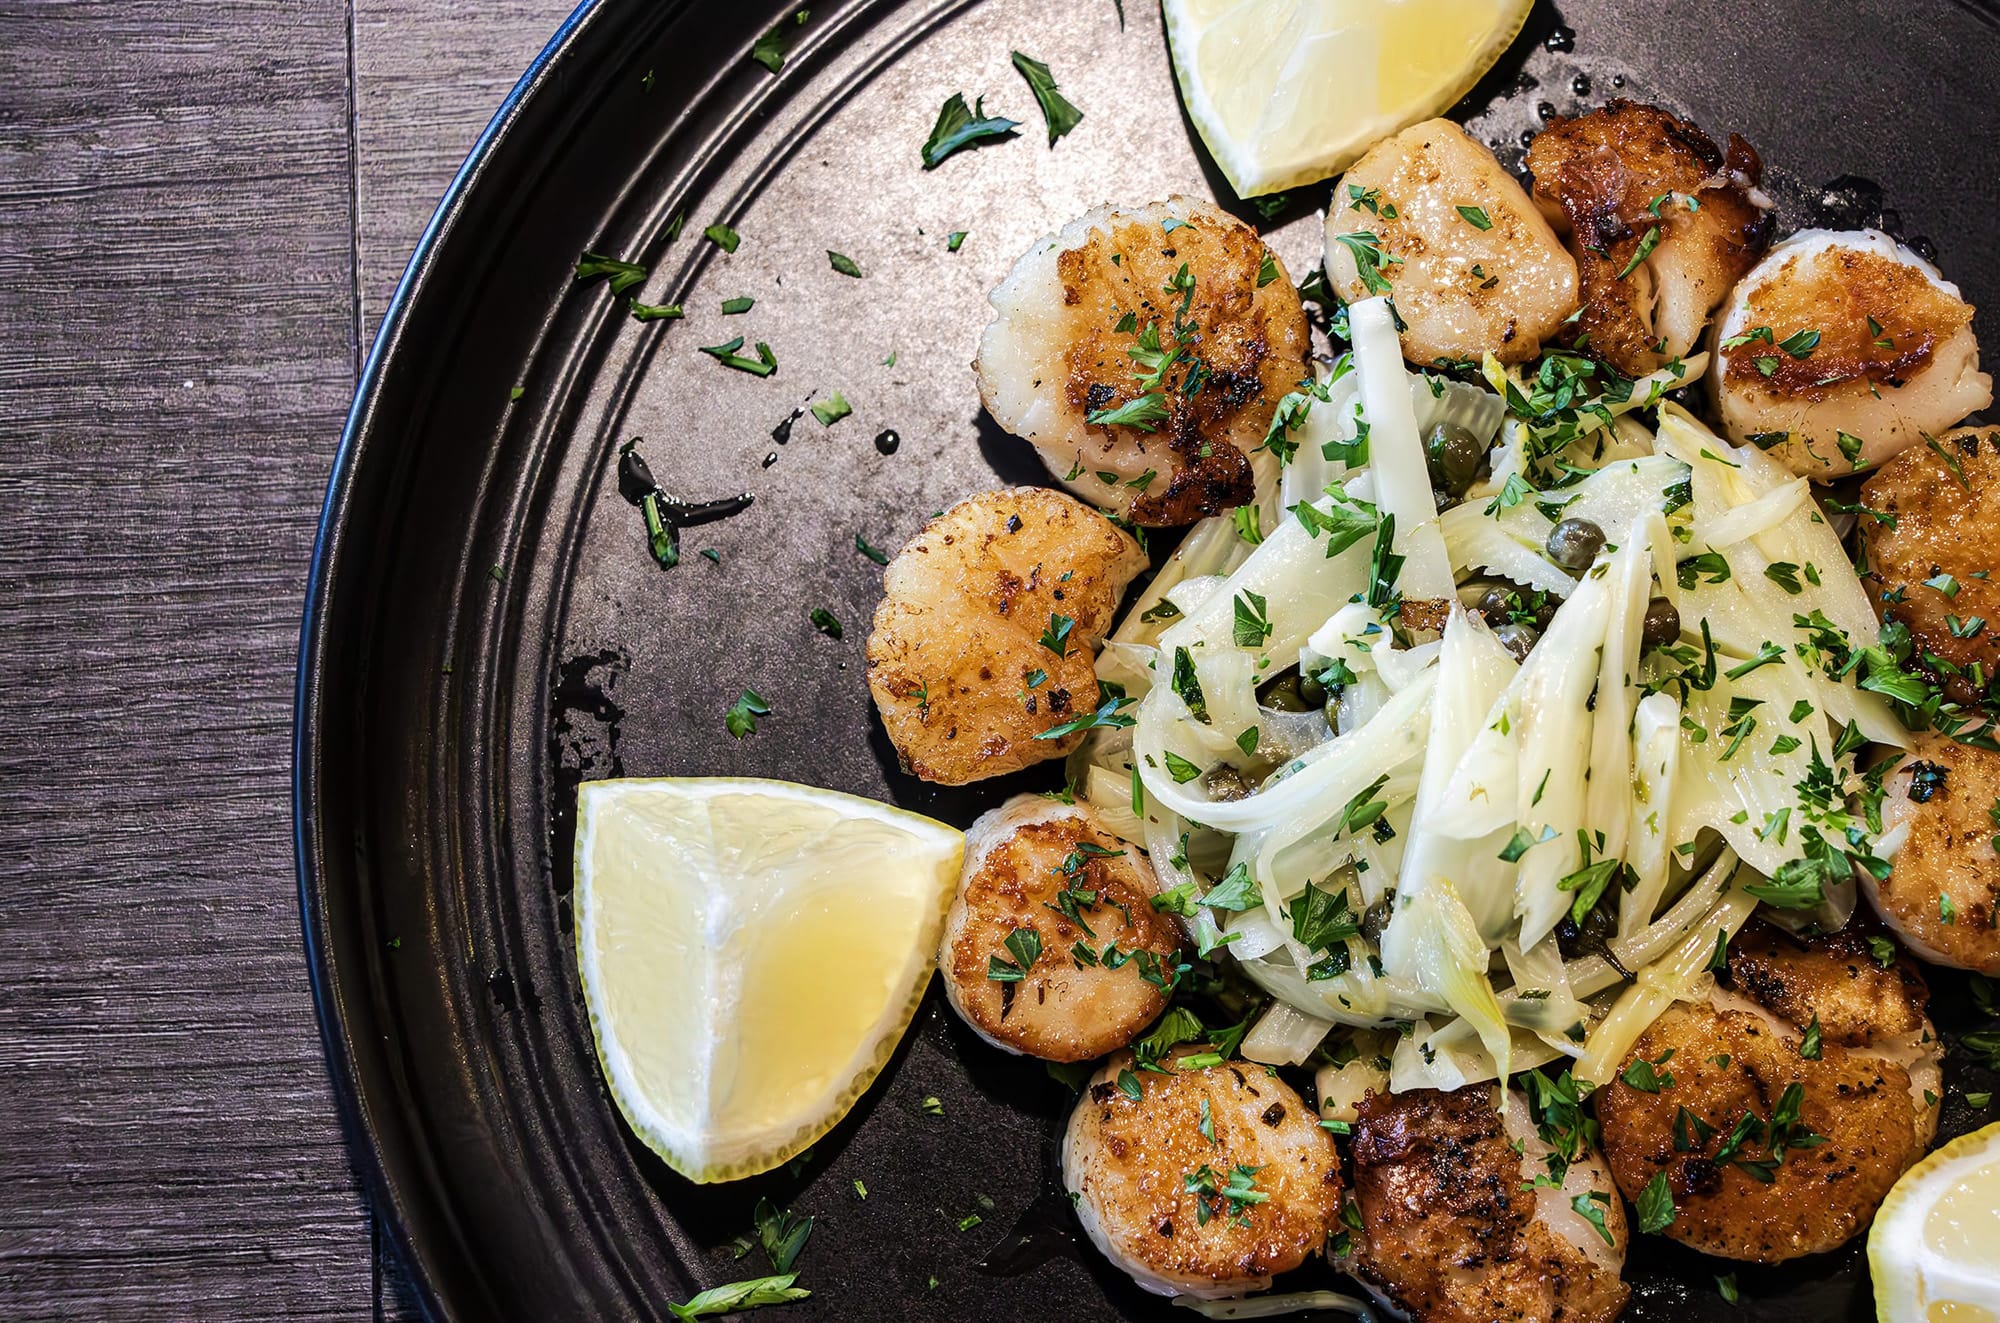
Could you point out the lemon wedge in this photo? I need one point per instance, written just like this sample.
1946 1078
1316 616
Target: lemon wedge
1288 91
750 952
1934 1251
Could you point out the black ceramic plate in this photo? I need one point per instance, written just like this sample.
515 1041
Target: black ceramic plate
485 627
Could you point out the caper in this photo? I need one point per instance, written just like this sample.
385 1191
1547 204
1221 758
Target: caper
1285 694
1376 919
1545 614
1663 623
1497 604
1312 691
1454 456
1225 783
1519 640
1574 543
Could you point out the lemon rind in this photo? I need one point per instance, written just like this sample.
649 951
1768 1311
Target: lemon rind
893 1026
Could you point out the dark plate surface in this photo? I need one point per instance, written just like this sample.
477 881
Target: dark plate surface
485 627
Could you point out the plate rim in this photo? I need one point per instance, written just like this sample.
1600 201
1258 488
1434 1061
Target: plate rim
385 1209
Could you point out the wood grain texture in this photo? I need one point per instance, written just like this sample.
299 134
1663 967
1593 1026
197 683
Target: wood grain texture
179 331
175 358
428 76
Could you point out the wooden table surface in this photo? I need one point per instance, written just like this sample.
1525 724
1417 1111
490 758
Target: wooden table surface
203 210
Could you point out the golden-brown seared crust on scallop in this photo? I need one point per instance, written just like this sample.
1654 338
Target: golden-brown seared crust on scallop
1605 171
1946 793
1946 519
1448 1232
1462 289
956 640
1731 1064
1131 1163
1020 861
1250 342
1834 978
1877 320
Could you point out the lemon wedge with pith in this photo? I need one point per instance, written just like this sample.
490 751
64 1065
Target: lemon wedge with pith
1288 91
751 951
1934 1251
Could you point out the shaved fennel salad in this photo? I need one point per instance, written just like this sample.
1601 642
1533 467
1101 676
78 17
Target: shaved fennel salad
1499 779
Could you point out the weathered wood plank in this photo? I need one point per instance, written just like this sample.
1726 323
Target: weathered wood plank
177 346
428 76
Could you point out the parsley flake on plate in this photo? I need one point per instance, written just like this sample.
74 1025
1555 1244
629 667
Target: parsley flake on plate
1062 116
773 46
958 127
741 719
763 365
831 410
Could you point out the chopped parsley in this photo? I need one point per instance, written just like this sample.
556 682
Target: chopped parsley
958 127
1107 714
831 411
1253 625
1056 636
741 719
1656 1204
825 622
1649 1076
875 554
1056 108
622 277
730 307
1321 919
955 241
1369 259
1475 217
763 365
738 1296
723 237
1025 945
772 47
781 1233
1647 244
1141 412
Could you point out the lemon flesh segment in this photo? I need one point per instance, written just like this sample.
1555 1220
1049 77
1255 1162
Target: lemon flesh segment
751 951
1284 92
1934 1251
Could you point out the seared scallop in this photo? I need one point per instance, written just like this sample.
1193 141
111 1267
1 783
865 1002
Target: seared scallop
1042 950
1204 1181
986 637
1938 514
1841 349
1143 351
1942 895
1474 267
1455 1228
1779 1112
1661 223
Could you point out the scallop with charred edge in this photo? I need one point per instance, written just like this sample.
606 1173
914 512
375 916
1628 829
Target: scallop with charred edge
1175 318
1937 511
1842 348
1453 1228
1661 223
1476 269
1037 866
988 628
1770 1154
1208 1183
1942 895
